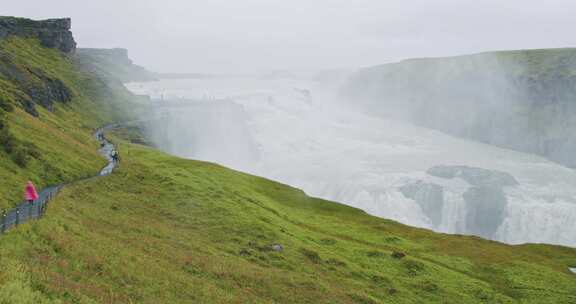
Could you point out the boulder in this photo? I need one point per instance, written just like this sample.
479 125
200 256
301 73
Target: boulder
277 247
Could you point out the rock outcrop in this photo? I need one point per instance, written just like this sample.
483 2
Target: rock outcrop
474 176
484 201
52 33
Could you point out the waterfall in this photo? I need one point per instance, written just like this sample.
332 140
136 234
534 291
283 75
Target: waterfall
273 129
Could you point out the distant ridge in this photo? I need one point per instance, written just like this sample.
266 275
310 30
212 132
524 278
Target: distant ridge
519 99
113 63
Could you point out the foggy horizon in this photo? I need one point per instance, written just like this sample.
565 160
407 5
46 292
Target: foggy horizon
255 36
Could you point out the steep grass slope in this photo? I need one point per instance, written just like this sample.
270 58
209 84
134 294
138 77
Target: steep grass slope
49 109
167 230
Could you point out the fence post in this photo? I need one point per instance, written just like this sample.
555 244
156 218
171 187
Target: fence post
3 221
44 203
43 208
17 216
30 210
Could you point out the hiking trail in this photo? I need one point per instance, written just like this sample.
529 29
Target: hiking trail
25 211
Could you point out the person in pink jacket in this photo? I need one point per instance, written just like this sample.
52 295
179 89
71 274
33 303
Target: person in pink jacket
30 193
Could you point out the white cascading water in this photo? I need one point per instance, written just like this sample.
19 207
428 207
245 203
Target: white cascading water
274 129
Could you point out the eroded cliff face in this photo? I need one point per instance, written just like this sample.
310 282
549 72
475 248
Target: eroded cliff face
37 83
112 64
52 33
521 100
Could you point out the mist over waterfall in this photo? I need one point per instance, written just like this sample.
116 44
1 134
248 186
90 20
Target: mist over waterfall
216 131
299 132
521 100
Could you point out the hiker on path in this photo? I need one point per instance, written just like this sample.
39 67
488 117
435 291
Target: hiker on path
115 156
30 193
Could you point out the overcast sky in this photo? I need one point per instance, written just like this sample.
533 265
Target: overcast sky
258 35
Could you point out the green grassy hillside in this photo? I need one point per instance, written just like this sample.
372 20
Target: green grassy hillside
44 139
167 230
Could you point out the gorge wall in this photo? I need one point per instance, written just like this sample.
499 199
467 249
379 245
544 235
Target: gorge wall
521 100
52 33
39 84
113 63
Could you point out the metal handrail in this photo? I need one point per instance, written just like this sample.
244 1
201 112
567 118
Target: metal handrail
27 211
